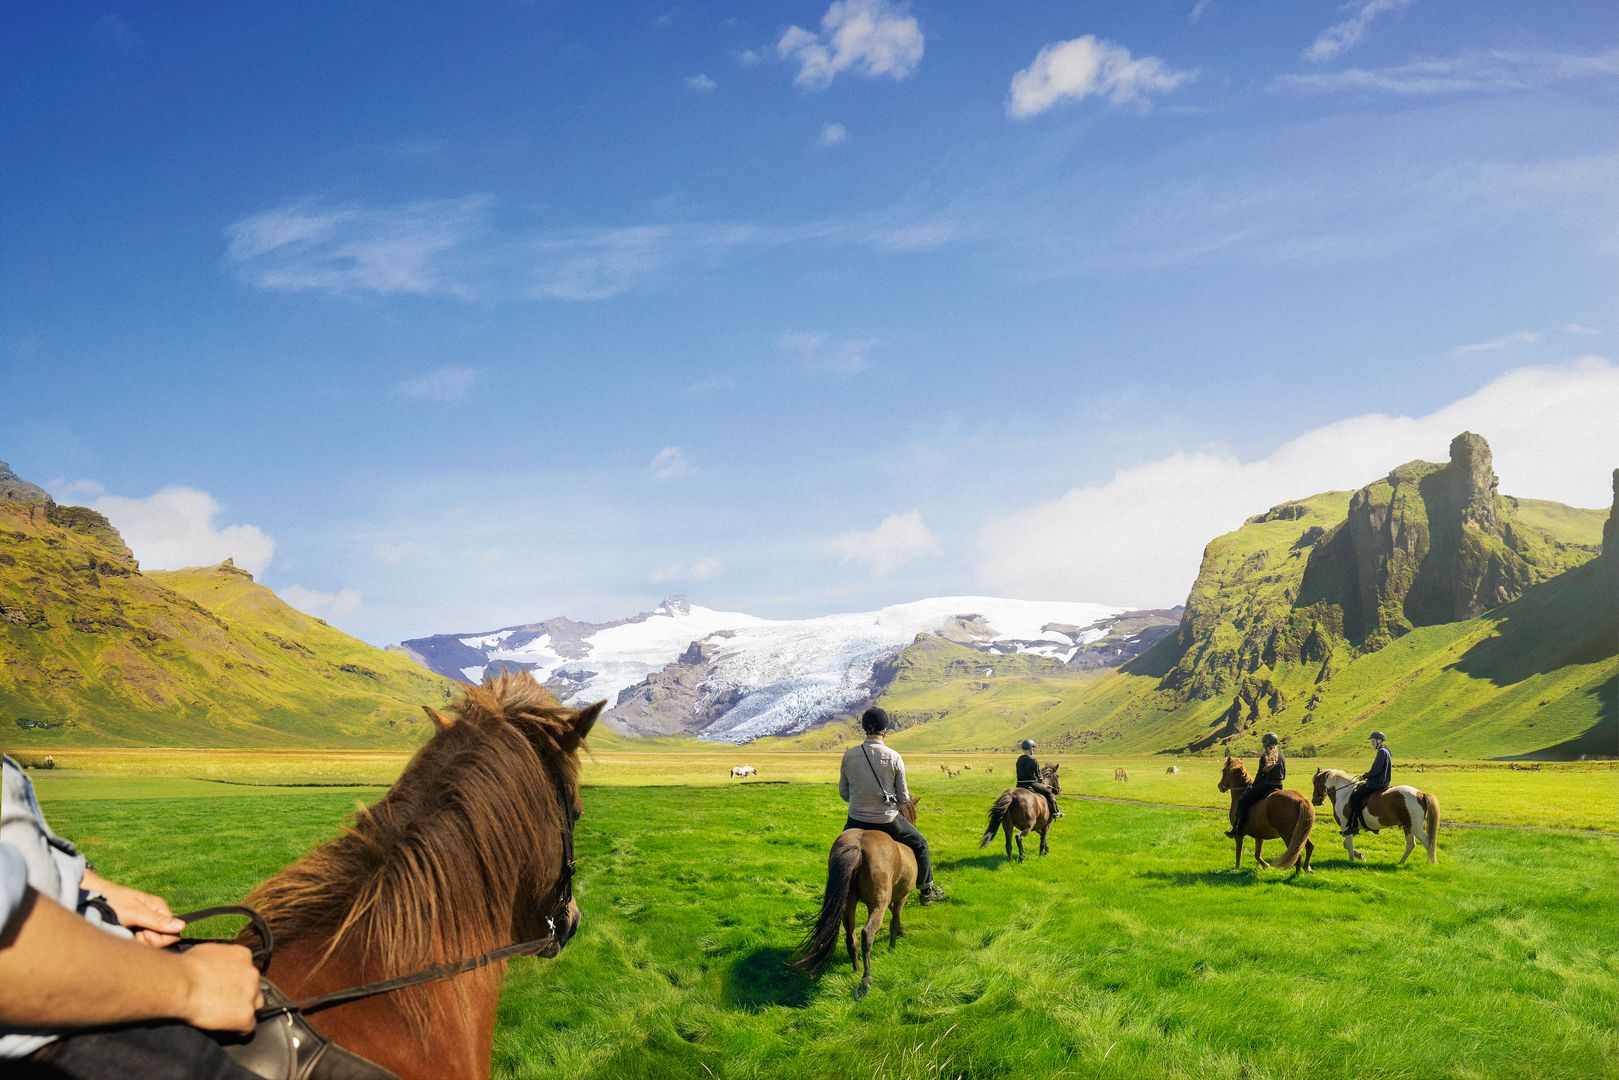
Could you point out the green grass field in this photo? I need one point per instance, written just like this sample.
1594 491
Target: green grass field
1132 950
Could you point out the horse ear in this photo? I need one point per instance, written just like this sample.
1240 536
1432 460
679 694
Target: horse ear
440 721
585 719
1055 766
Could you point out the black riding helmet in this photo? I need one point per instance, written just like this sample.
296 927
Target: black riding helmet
1026 744
874 721
1269 739
1378 735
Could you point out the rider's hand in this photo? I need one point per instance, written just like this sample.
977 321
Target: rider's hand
149 916
222 988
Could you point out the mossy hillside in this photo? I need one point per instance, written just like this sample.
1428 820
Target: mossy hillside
95 652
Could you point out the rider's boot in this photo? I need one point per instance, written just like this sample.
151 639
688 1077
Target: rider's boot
930 893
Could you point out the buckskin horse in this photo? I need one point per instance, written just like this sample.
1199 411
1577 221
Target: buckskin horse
468 859
864 867
1025 811
1417 812
1279 815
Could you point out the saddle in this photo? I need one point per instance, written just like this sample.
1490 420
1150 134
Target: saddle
284 1045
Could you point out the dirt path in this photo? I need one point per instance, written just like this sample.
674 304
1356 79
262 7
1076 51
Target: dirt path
1447 823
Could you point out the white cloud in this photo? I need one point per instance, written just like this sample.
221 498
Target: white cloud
1198 10
446 385
1341 37
308 245
828 356
670 464
701 570
178 527
1077 69
869 37
1138 538
1580 331
1469 72
1506 341
901 539
324 605
833 134
700 82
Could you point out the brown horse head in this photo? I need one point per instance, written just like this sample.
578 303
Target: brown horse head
908 811
466 852
1234 774
1048 776
1320 794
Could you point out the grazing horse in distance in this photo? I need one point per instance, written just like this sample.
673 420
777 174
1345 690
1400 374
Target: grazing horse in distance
1173 770
1120 775
469 851
864 867
744 770
1285 815
1417 812
1023 810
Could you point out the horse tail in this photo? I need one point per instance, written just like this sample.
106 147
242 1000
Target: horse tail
996 813
842 867
1430 806
1301 832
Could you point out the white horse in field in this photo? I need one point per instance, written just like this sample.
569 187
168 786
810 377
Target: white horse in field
744 770
1415 811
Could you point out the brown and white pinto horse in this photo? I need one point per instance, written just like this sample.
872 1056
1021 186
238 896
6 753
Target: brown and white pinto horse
1279 815
1415 811
864 867
469 851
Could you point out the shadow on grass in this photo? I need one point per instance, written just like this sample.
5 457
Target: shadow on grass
982 862
761 979
1246 876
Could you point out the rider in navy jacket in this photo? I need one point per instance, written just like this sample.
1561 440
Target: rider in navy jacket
1377 778
1028 776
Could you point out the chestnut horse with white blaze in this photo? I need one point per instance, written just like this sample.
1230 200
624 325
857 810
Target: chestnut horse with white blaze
1024 810
1281 815
469 851
1417 812
864 867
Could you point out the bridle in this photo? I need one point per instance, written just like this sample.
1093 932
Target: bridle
559 928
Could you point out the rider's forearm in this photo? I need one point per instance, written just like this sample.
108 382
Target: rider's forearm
57 970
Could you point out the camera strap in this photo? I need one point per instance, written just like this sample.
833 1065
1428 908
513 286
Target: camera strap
888 796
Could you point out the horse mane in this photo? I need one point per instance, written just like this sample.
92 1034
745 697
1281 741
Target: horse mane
457 855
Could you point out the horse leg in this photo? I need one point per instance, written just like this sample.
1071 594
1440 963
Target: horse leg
848 935
1309 852
1239 853
868 937
1349 846
895 930
1045 848
1021 833
1259 846
1008 829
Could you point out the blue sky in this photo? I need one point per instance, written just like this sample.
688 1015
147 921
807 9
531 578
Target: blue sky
447 317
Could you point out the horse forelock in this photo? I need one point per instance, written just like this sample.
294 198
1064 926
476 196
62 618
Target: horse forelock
461 855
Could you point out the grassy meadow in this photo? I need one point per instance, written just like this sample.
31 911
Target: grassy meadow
1132 950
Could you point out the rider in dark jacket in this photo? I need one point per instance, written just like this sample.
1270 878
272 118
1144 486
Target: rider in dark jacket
1377 778
1028 776
1272 771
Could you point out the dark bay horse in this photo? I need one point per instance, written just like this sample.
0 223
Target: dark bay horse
865 867
1025 811
469 851
1284 815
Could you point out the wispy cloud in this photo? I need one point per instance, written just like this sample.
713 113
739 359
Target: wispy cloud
1506 341
1199 9
1581 331
833 135
670 463
1342 36
700 570
309 245
1085 67
700 82
898 541
873 38
179 527
325 605
842 357
1469 72
447 385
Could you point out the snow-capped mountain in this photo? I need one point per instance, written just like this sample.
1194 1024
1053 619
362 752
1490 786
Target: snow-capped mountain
732 677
